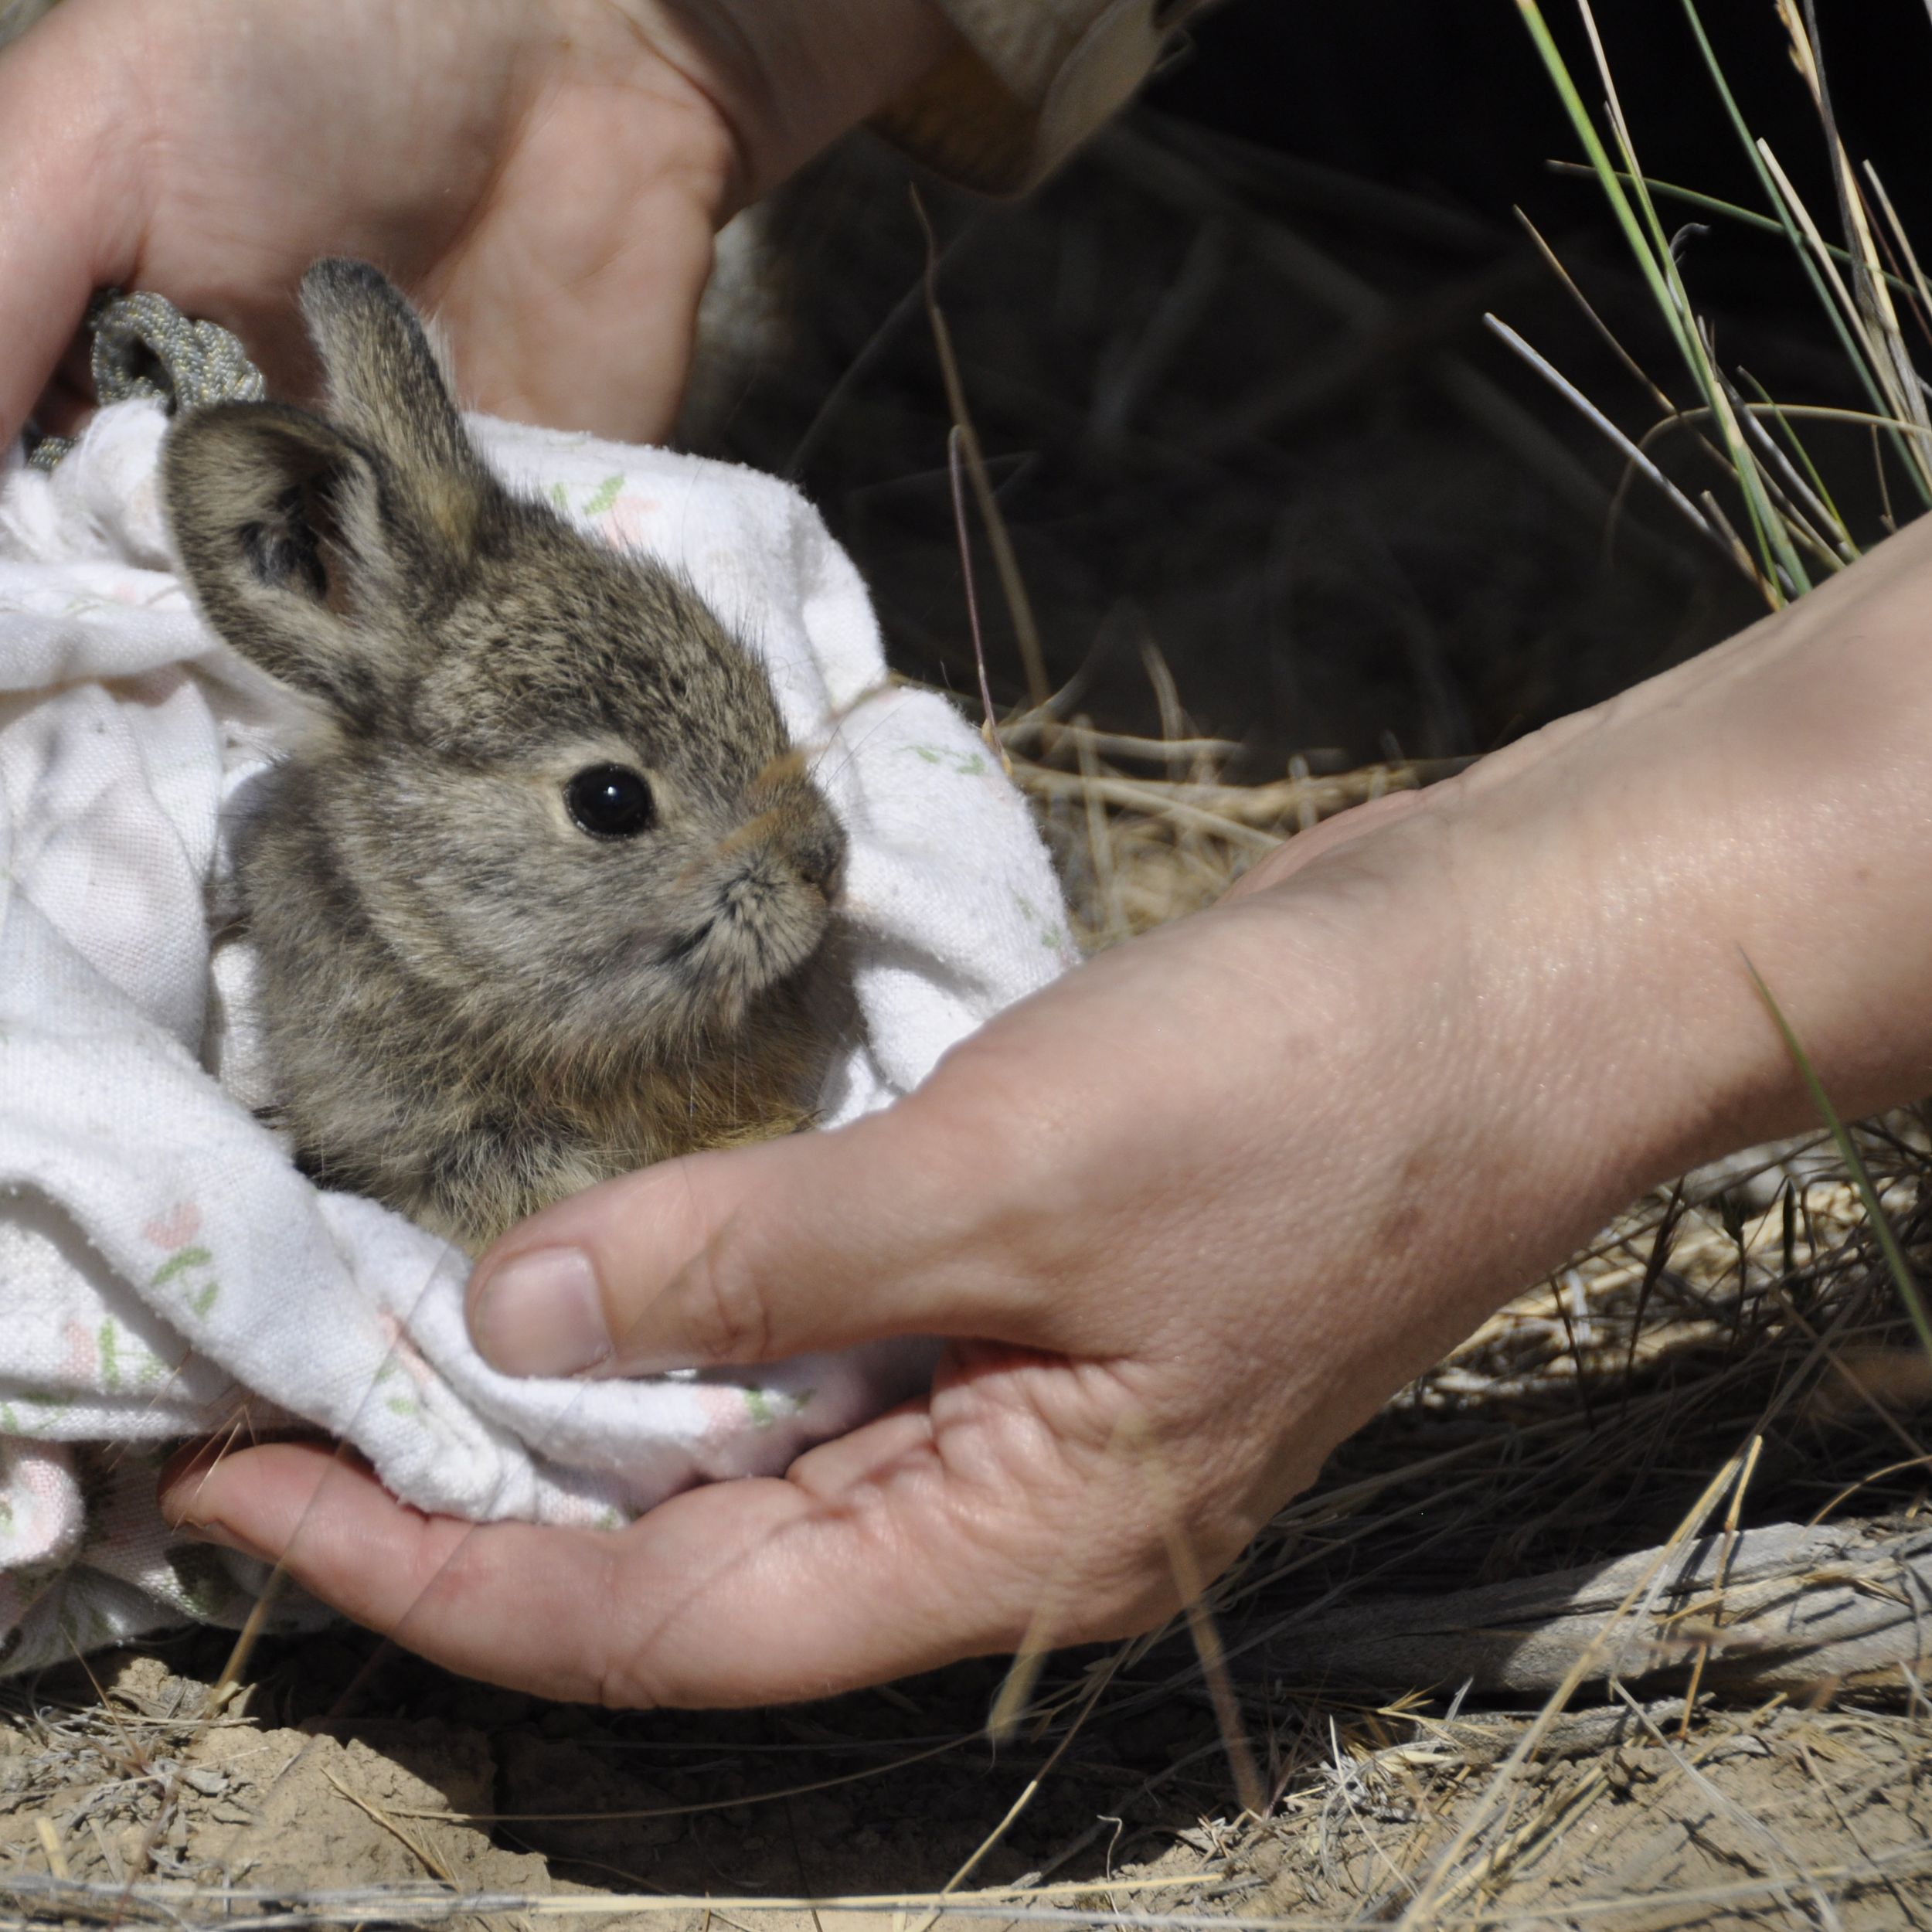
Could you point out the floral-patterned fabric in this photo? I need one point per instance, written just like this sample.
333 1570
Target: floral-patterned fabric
164 1272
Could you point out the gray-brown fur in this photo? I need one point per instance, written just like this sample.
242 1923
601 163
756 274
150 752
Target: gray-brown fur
474 1006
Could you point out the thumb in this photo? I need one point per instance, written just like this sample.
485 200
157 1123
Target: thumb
71 211
890 1227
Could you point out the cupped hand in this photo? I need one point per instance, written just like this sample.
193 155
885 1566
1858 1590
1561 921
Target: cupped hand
1204 1203
544 176
1146 1192
1200 1206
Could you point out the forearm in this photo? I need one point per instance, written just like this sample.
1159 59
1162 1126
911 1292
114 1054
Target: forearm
1772 802
1565 983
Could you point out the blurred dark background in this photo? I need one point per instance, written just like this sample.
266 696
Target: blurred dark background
1230 368
1450 100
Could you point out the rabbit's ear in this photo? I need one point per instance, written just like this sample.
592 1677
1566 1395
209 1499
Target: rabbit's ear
283 526
387 389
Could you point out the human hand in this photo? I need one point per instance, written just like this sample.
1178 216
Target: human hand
544 175
1203 1204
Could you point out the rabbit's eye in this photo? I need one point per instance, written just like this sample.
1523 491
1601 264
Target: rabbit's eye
609 802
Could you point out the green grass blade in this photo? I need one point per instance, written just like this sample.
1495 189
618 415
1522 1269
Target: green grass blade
1896 1265
1606 172
1645 232
1716 204
1809 524
1853 351
1827 502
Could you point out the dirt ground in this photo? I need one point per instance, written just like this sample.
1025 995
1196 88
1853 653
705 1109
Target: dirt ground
1795 1814
1628 1820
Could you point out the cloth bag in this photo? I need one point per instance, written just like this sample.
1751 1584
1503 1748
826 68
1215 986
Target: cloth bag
164 1271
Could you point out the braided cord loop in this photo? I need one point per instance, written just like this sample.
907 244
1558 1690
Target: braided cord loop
144 347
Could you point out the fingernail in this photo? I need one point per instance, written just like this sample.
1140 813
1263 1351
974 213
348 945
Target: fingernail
540 1314
219 1533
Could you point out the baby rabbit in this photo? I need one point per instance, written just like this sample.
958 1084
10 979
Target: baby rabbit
544 894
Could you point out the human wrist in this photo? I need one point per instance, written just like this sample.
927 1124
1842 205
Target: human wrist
788 77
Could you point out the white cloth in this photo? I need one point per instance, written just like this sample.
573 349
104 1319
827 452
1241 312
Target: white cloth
164 1271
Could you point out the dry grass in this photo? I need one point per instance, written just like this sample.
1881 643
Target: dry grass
1148 830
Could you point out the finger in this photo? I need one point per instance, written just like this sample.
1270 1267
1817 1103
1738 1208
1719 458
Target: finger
929 1536
574 304
71 212
605 349
909 1222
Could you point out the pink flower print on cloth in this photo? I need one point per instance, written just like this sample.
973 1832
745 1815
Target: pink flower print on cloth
624 523
175 1227
188 1267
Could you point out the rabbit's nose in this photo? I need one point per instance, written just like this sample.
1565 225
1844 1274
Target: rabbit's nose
822 862
800 831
